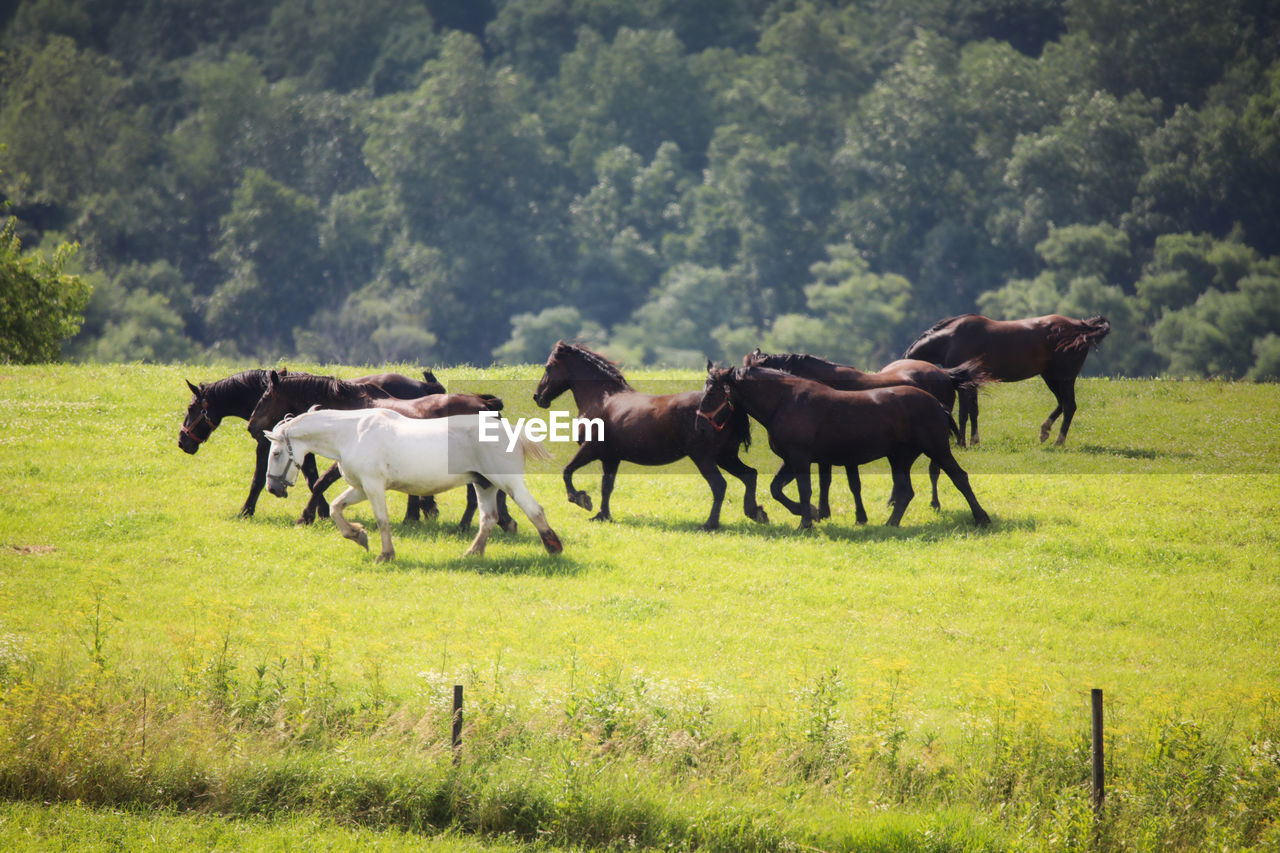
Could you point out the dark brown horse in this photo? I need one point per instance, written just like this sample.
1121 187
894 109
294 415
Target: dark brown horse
294 394
1053 347
942 383
810 422
235 396
645 429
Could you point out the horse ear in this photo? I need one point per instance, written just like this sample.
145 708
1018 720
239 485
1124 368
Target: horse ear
284 371
273 379
710 366
194 389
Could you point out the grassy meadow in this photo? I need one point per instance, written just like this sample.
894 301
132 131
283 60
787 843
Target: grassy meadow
171 672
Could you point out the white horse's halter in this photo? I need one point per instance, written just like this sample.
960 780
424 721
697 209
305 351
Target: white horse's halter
292 464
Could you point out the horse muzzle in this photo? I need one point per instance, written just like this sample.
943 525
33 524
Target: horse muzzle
278 486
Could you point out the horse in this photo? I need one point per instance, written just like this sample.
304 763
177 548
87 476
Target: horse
646 429
1053 347
293 394
236 395
810 422
381 449
942 383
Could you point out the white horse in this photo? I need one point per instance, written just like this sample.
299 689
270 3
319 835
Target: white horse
378 449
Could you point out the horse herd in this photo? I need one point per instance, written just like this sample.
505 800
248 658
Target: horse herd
388 431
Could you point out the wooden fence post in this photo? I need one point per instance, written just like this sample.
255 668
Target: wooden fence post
1099 781
457 724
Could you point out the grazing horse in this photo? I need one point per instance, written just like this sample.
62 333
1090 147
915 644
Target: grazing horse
235 396
645 429
1053 347
942 383
380 449
810 422
294 394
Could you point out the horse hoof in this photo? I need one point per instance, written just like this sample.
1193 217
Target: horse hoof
552 542
385 558
708 526
581 499
823 514
431 514
600 516
509 525
982 519
759 516
361 538
860 518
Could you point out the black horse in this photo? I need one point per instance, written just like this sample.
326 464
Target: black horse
296 393
942 383
235 396
811 422
1053 347
646 429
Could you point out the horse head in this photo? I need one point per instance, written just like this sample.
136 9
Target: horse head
198 424
555 376
282 465
715 411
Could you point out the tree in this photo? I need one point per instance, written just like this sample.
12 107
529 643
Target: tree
534 335
854 315
270 246
40 307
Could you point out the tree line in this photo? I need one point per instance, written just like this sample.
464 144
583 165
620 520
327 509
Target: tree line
471 180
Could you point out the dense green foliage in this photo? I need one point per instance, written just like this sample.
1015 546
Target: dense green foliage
450 181
40 306
171 672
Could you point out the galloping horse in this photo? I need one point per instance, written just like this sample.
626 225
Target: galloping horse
1051 346
235 396
811 422
942 383
380 449
645 429
296 393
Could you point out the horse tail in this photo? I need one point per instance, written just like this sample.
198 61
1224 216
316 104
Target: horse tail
1080 334
969 375
491 403
531 449
954 427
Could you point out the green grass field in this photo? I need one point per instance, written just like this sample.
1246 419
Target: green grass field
168 670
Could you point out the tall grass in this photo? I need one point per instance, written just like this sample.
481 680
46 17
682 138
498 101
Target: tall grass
856 688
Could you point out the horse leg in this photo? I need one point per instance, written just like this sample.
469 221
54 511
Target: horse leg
486 499
729 461
972 395
316 500
505 521
606 488
934 470
349 530
824 490
947 462
1065 391
470 510
423 506
855 487
378 500
515 487
780 481
586 453
900 464
711 473
259 478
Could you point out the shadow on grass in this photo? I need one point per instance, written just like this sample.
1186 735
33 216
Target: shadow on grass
494 562
1133 452
942 525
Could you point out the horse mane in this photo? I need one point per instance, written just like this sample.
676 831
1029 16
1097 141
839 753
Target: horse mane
933 330
598 362
330 388
787 361
245 381
1079 334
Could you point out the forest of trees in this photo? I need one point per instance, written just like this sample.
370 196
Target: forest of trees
446 181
